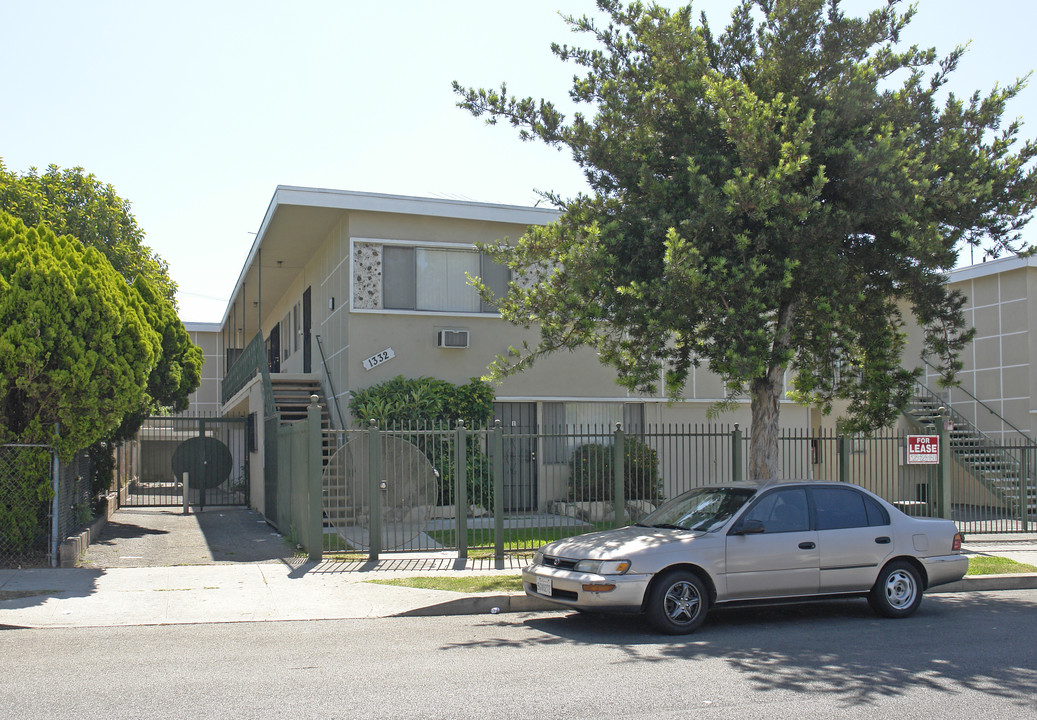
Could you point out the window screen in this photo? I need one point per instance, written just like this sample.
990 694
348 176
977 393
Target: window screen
442 280
496 277
398 278
436 280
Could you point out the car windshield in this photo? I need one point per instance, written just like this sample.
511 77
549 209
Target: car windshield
701 509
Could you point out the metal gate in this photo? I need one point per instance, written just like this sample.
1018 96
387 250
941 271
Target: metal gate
211 452
520 466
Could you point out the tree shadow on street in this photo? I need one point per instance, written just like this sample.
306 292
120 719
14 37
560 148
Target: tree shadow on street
837 649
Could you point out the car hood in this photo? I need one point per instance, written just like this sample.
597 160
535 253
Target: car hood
620 543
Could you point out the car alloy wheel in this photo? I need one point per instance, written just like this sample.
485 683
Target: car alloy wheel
898 590
677 603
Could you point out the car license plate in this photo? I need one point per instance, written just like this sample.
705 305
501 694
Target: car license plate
544 586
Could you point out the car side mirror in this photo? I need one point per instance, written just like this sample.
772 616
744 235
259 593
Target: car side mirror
749 527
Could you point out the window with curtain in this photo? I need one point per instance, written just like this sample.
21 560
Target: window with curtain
436 280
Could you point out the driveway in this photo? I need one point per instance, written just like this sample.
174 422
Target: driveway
163 537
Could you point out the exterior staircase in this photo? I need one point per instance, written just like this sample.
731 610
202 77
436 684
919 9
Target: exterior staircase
996 467
292 398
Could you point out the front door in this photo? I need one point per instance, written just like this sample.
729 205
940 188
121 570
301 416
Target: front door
783 560
273 349
519 421
307 323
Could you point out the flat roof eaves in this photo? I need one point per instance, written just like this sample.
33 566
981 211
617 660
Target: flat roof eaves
410 205
990 267
287 195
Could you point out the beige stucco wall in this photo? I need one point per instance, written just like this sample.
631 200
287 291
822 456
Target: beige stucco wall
343 275
338 274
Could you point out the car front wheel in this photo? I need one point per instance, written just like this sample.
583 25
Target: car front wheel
677 603
898 591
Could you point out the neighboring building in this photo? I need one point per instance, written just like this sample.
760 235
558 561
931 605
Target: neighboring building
998 380
206 399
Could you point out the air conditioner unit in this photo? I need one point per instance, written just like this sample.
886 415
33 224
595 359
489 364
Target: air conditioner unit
452 338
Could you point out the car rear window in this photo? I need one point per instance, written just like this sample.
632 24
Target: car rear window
838 508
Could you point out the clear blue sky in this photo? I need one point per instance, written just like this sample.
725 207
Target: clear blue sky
196 111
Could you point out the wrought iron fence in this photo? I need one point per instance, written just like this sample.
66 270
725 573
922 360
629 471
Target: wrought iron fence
211 450
504 489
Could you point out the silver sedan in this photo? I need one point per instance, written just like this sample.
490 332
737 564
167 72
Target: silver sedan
746 542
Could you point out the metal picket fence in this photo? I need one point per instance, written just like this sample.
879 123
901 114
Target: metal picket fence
496 490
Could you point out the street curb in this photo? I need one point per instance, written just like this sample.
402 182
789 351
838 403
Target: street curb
512 603
980 583
483 605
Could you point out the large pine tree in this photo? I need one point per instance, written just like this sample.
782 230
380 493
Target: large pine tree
765 201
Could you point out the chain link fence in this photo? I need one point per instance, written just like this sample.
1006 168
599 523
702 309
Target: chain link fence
32 519
75 496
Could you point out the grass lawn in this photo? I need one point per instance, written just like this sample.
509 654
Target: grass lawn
515 539
521 542
978 565
486 583
993 565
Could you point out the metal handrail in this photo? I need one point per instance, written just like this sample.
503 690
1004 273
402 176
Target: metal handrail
984 443
331 384
251 361
975 399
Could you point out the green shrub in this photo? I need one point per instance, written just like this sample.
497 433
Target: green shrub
413 402
410 403
27 490
591 475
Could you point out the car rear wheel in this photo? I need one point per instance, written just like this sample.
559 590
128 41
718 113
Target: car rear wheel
898 591
677 603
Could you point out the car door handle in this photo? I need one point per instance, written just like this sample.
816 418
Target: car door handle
807 546
883 540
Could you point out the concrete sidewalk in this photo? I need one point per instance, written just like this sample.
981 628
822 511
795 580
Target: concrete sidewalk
152 566
261 592
146 570
254 592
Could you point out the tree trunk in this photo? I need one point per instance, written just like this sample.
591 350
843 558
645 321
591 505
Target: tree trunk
764 459
765 392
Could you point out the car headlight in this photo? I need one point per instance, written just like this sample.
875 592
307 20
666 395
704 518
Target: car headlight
538 557
603 567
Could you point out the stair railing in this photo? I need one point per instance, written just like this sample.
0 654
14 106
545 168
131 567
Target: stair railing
949 403
978 443
251 360
331 383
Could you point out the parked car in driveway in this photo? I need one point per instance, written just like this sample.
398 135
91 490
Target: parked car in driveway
742 542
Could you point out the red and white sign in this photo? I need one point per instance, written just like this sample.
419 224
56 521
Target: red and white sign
923 449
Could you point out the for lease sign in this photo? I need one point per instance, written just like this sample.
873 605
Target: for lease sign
923 449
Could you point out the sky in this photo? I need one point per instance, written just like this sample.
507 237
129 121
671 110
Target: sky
196 111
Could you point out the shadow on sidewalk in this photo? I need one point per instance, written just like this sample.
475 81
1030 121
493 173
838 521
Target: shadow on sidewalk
20 589
163 537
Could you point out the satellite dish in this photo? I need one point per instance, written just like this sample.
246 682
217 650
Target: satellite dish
407 494
206 460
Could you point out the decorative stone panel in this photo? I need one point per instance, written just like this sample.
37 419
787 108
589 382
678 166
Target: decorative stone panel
367 276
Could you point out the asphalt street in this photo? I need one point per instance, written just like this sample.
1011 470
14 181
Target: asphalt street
963 655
